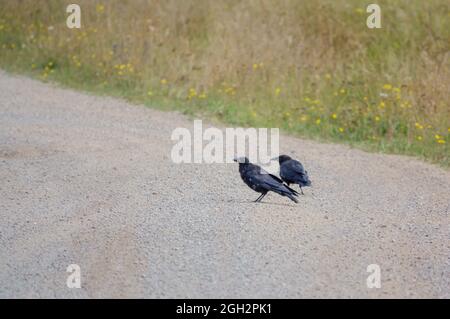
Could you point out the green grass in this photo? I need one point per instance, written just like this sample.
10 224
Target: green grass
310 68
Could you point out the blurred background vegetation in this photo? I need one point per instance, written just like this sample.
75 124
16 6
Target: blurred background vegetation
312 68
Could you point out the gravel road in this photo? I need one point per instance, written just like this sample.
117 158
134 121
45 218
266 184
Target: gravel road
88 180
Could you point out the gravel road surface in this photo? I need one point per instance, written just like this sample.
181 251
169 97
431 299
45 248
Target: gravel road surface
88 180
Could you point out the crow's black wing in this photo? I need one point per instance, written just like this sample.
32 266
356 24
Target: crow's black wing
273 183
296 166
293 170
292 190
279 180
263 172
270 184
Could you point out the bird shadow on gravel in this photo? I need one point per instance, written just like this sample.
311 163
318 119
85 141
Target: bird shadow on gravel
265 203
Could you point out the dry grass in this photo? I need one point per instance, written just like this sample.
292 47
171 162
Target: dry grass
309 67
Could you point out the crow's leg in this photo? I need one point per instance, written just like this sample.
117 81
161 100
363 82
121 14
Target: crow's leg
301 190
260 196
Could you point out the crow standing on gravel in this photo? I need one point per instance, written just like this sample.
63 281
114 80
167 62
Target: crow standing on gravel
293 172
262 182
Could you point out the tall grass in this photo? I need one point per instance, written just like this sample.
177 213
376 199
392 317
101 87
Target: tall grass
309 67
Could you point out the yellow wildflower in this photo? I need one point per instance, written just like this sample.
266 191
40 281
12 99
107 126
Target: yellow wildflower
387 87
192 93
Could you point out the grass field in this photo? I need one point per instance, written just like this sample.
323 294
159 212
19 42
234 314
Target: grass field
312 68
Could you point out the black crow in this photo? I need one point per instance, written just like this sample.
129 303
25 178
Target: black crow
262 182
293 172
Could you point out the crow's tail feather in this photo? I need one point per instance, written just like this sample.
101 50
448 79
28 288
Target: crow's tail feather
294 192
292 198
289 192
